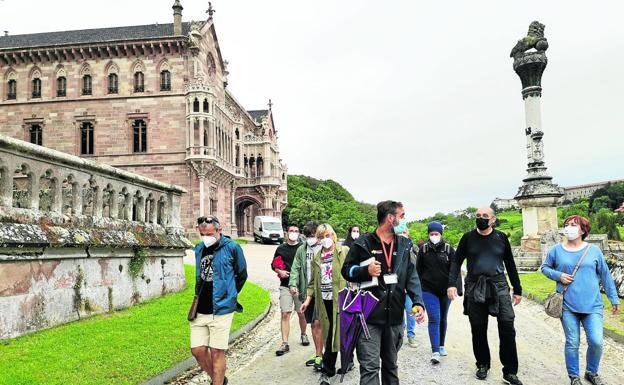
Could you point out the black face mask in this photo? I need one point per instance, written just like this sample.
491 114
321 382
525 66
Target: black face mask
483 223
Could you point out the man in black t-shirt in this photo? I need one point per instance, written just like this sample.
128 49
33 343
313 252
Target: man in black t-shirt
282 264
488 254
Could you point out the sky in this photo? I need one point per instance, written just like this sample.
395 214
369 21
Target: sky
408 100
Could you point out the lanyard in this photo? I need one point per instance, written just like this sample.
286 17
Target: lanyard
388 256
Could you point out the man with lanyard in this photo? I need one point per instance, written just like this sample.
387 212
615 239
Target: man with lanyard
488 254
221 272
385 256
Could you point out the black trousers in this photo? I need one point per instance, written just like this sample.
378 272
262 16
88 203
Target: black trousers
478 315
329 357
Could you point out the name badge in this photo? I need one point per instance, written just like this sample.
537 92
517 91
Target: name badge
391 279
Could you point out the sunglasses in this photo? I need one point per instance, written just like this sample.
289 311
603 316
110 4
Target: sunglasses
207 220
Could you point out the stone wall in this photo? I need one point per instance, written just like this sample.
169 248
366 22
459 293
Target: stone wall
614 252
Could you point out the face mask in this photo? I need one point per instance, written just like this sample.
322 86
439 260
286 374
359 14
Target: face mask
435 239
355 235
571 232
311 241
401 227
327 243
483 223
293 236
209 240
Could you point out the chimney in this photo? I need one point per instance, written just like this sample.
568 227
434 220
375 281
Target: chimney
177 18
6 33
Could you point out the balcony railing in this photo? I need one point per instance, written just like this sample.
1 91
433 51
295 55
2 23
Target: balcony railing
210 153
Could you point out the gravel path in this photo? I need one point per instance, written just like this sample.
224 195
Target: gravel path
539 339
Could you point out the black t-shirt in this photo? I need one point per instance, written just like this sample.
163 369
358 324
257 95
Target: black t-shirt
205 303
487 255
287 252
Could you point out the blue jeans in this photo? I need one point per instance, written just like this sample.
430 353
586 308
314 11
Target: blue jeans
592 323
437 310
409 318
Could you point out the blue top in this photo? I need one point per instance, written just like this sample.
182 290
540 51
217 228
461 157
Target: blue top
583 295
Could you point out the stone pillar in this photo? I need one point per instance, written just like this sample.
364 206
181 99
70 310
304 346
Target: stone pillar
233 227
538 196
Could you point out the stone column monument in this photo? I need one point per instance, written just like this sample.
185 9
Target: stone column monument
538 196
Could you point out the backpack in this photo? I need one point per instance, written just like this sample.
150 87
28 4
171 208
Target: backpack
447 249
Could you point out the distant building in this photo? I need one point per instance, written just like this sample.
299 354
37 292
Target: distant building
620 210
585 190
505 204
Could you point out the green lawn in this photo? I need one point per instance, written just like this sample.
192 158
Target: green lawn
537 286
124 347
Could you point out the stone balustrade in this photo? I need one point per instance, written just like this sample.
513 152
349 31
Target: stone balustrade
78 238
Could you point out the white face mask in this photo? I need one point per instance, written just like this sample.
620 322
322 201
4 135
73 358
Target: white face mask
355 235
435 239
292 236
327 243
209 240
571 232
311 241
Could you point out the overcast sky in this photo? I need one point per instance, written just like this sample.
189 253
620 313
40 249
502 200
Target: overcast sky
408 100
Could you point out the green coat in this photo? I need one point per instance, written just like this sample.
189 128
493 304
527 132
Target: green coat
298 272
314 290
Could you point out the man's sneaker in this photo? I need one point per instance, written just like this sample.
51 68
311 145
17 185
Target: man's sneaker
443 351
349 368
282 349
511 379
594 379
318 363
575 381
304 340
411 341
312 360
435 358
225 381
482 372
324 379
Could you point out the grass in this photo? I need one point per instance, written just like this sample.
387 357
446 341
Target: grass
121 348
537 287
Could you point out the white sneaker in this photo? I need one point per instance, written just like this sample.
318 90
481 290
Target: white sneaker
435 358
443 351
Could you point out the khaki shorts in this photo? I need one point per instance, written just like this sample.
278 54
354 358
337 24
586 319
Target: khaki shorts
211 330
288 302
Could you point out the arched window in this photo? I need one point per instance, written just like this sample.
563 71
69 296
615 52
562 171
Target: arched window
206 106
12 89
86 138
36 88
139 81
36 134
139 128
196 105
210 63
165 80
86 85
260 165
61 86
237 133
113 83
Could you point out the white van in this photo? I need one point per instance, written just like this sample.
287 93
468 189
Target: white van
268 229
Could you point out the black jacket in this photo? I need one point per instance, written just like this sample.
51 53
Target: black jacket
389 310
433 265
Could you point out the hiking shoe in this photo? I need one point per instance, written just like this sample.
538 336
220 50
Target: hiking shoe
318 363
443 351
304 340
411 341
511 379
575 381
349 368
435 358
312 360
324 379
594 379
482 372
282 349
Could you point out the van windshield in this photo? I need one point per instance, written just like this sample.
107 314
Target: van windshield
272 226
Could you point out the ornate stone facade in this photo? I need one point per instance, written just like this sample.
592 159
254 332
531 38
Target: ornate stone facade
152 100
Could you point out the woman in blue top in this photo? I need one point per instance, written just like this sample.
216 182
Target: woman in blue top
582 302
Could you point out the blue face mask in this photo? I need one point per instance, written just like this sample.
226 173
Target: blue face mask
401 227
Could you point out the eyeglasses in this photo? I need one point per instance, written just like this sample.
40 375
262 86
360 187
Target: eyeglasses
207 220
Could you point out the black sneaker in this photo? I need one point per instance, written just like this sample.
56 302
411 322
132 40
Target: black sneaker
318 364
324 379
575 381
225 381
482 372
349 368
594 379
312 360
511 379
282 349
